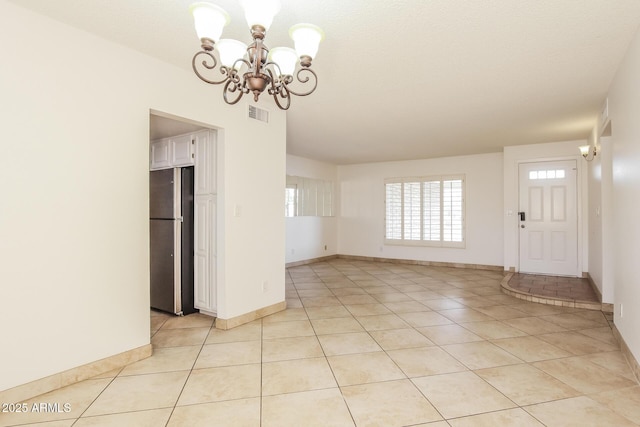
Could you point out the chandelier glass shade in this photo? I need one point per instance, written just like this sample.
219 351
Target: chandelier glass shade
254 68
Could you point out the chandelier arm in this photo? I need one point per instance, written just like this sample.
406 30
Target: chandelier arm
274 86
283 91
243 61
278 88
233 85
209 55
303 80
275 66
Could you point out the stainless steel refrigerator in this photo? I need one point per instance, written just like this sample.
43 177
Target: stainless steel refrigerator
171 228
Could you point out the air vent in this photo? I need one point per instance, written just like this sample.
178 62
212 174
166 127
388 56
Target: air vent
258 114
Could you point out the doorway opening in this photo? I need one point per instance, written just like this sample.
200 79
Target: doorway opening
183 259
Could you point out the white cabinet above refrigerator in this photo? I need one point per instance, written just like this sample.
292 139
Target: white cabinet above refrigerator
172 152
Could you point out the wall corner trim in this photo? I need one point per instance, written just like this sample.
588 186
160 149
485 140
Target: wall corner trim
626 352
74 375
250 316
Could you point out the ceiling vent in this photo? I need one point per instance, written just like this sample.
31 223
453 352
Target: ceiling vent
258 114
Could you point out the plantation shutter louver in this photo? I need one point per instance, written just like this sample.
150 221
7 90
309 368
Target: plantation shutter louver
452 210
431 209
412 210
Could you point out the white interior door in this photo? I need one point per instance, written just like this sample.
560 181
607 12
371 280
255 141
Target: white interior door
548 218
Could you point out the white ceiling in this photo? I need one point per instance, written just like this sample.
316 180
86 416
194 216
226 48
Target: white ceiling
403 79
162 127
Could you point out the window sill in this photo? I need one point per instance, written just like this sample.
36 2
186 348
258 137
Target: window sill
425 243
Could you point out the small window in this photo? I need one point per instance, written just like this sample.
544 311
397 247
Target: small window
308 197
547 174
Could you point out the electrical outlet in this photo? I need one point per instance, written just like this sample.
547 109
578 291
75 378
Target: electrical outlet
325 247
621 310
265 286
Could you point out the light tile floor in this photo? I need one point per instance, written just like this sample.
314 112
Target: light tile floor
369 344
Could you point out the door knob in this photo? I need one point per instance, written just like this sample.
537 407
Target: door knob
522 226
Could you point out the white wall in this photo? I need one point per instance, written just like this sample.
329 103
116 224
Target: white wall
600 218
594 173
515 155
307 236
361 223
74 257
254 233
624 111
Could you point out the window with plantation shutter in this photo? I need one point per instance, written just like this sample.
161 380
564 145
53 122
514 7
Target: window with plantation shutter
425 211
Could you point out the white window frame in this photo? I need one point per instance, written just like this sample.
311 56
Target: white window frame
423 240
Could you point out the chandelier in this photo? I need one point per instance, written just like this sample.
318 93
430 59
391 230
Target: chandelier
254 68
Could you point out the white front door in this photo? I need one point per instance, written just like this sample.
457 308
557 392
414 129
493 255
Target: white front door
548 218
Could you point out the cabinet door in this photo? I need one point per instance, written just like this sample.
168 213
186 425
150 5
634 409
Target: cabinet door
182 151
205 147
160 158
204 254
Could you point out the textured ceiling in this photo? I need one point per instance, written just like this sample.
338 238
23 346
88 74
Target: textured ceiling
402 79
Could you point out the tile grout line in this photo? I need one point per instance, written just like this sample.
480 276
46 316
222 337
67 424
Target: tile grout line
190 372
96 398
488 340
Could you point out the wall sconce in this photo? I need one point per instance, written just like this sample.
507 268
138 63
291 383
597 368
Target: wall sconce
586 151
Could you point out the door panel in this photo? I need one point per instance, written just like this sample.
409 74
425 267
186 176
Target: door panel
187 240
536 243
536 204
162 194
558 204
558 246
549 232
163 266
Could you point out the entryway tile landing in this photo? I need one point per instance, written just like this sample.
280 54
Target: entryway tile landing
554 290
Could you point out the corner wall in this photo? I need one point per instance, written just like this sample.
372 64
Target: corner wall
600 214
308 235
74 251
